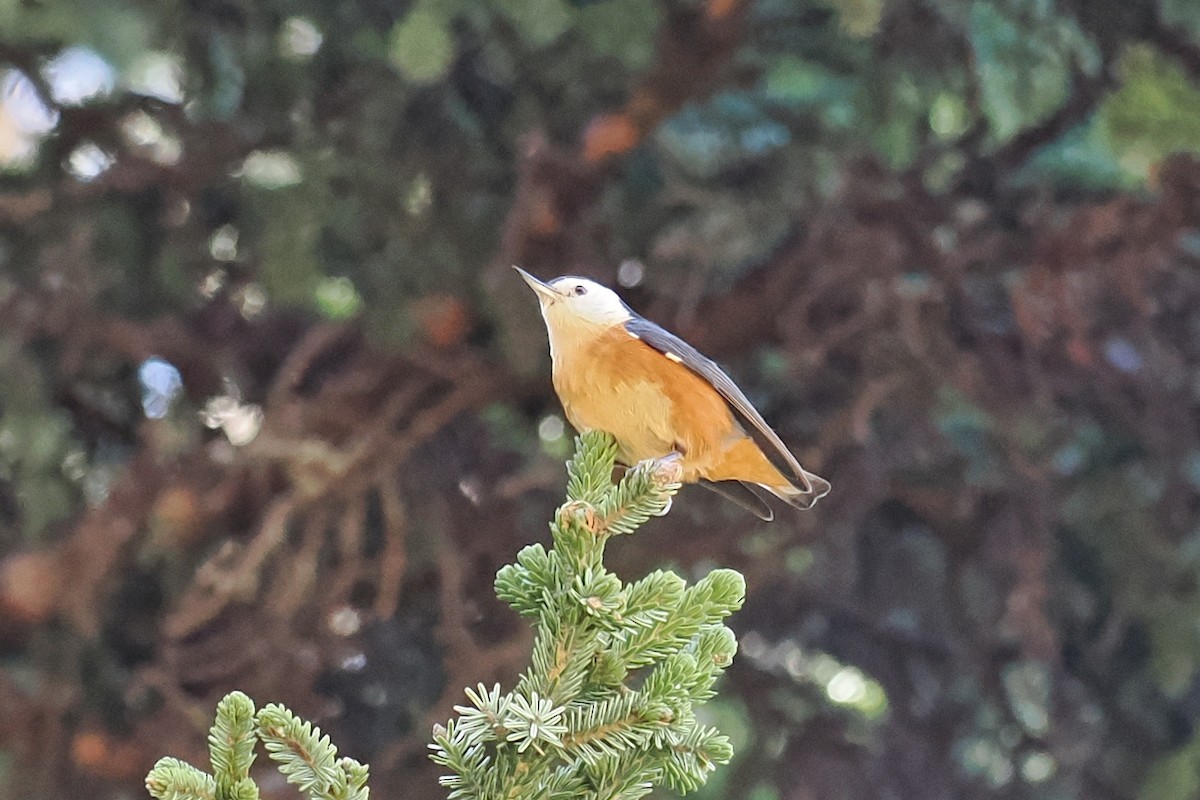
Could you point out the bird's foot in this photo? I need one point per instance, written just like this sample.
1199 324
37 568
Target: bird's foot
669 468
668 472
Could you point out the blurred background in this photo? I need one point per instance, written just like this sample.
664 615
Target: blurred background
274 408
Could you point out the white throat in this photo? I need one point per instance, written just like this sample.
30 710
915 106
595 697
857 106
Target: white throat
577 312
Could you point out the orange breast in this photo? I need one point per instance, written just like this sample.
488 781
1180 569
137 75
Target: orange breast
653 406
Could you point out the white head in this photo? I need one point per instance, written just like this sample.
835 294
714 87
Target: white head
572 303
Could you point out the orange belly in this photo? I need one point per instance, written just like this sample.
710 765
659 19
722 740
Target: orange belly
654 406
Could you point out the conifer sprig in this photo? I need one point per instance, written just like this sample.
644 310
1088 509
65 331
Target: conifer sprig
309 760
574 726
231 746
172 779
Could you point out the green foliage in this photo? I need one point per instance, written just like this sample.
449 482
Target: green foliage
39 452
1152 114
421 46
622 29
1155 113
116 28
608 707
859 17
1023 59
540 23
1174 777
306 758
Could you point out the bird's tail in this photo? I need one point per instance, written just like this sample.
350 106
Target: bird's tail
746 462
799 496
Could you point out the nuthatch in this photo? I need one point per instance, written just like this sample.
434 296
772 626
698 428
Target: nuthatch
656 395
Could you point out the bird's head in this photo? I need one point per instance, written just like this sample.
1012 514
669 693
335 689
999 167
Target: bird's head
572 302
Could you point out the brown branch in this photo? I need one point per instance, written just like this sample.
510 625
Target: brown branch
394 559
982 173
1084 95
230 575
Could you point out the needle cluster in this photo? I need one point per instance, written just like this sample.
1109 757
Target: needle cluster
607 708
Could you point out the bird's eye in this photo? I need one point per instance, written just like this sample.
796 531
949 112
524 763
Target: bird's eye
580 290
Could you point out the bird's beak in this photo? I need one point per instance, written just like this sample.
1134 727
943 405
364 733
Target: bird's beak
545 291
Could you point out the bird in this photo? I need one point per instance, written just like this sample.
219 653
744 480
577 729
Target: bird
659 398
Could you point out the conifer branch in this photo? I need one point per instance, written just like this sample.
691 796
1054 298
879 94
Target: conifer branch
573 727
306 758
172 779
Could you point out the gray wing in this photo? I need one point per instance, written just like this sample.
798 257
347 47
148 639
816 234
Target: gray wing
678 350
